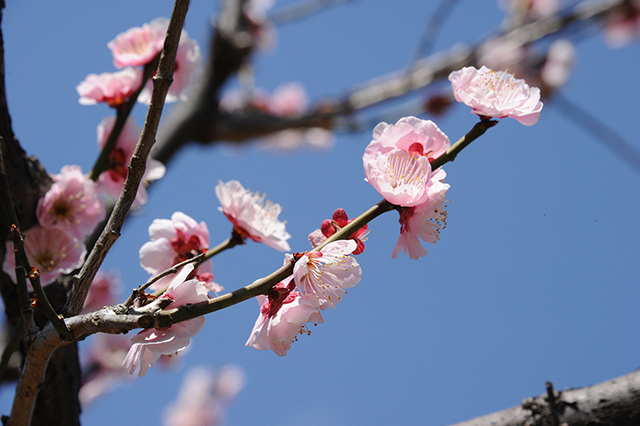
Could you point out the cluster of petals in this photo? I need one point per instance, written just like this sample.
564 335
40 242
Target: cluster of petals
423 221
173 241
330 226
150 344
397 161
496 94
111 181
204 396
138 46
252 216
72 204
104 369
556 70
112 88
283 315
52 251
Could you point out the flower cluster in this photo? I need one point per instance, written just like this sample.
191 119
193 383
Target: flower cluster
330 226
319 280
67 213
397 163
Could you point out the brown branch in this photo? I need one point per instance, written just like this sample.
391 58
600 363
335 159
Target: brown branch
614 403
161 82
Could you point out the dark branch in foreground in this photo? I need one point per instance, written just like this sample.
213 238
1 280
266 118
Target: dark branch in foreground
613 403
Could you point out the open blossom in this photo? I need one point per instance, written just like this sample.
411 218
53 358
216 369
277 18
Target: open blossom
283 315
397 161
496 94
330 226
72 204
148 345
204 397
52 251
252 216
111 181
328 273
113 88
173 241
423 221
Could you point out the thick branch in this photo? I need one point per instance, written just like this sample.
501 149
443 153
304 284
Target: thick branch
614 403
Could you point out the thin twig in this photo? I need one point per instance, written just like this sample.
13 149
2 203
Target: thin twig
432 29
301 10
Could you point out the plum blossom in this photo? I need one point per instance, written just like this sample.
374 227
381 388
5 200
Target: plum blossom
52 251
330 226
397 161
102 292
328 273
423 221
111 181
104 369
173 241
72 204
113 88
262 30
283 315
148 345
204 397
496 94
252 216
139 45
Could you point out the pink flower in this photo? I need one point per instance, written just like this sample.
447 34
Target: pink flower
149 345
104 366
262 30
52 251
138 45
496 94
252 216
536 9
102 292
204 397
397 161
337 222
328 273
423 221
174 241
283 315
113 88
111 181
288 100
72 204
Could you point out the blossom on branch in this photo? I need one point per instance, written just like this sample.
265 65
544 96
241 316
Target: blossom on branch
496 94
328 273
397 161
623 26
423 221
111 181
252 216
52 251
283 315
104 369
138 46
113 88
330 226
72 204
173 241
148 345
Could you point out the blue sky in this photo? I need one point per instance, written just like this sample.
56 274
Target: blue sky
535 277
